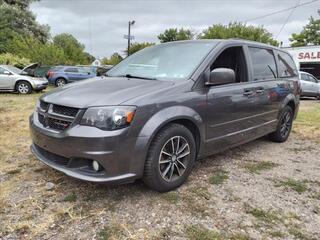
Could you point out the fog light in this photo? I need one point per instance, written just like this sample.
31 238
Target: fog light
96 166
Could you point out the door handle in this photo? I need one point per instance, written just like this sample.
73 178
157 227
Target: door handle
260 91
248 93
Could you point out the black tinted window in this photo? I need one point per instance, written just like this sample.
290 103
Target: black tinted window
263 63
287 67
72 70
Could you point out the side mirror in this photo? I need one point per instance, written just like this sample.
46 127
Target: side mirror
6 72
221 76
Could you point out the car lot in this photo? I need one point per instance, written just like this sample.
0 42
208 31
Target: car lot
259 190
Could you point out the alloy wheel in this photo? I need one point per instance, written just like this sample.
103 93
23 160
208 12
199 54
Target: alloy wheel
285 124
23 88
60 82
174 158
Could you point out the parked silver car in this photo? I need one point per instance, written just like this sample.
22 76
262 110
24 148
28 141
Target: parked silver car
310 86
14 79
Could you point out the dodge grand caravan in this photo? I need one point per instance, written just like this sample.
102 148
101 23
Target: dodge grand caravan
165 106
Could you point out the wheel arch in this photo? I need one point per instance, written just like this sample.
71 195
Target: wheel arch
22 80
182 115
292 101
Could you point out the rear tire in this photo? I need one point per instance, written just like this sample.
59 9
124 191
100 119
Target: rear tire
60 82
284 126
23 87
170 158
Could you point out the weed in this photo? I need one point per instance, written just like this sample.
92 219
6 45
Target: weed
277 234
113 231
70 198
196 232
171 197
296 185
201 192
258 167
218 177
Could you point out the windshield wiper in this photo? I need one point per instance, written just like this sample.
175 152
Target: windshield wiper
133 76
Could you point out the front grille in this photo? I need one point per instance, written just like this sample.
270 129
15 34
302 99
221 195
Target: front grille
68 111
58 124
56 117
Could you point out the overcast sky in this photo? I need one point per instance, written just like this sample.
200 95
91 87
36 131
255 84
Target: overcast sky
101 24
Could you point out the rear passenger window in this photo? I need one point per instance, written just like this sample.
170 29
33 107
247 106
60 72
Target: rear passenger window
287 67
71 70
263 63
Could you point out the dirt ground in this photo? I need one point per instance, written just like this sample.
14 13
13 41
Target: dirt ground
261 190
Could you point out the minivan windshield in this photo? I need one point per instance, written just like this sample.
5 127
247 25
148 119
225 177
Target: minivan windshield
172 61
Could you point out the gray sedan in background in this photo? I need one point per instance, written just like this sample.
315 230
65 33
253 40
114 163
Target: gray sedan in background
310 86
13 79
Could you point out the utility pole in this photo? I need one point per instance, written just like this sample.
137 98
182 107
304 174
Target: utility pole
130 23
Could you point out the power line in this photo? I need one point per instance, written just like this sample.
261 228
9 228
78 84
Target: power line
280 11
287 19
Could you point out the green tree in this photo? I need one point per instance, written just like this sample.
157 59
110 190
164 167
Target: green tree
36 51
73 49
238 30
113 60
135 47
10 59
309 35
17 19
174 34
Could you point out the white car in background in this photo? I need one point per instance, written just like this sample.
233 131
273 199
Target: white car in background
15 80
310 86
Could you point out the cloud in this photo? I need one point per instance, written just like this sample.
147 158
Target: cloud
101 24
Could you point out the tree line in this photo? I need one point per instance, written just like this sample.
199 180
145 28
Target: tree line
310 35
24 40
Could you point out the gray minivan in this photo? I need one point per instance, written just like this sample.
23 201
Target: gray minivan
164 107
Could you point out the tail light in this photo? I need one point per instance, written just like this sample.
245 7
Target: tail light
50 74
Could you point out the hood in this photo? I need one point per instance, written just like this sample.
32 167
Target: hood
103 91
31 66
26 77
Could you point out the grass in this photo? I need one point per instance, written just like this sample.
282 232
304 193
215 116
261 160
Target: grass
196 232
307 123
70 198
297 233
295 185
264 216
171 197
201 192
258 167
218 177
277 234
113 231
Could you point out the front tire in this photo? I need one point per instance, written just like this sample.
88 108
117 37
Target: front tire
170 158
284 126
24 87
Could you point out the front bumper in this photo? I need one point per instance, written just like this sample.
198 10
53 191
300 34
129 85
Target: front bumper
73 150
41 86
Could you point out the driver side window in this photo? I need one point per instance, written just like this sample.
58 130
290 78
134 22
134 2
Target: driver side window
233 58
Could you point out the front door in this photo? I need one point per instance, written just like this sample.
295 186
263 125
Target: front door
231 108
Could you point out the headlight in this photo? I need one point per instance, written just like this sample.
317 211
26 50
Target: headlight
108 118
